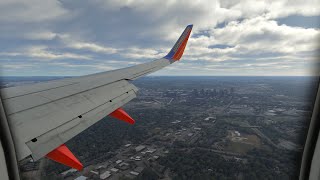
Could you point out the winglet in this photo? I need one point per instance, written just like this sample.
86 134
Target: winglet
122 115
178 49
64 156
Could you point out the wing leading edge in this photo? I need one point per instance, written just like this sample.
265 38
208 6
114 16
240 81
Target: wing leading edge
43 116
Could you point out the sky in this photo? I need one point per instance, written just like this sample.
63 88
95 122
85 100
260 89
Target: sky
229 37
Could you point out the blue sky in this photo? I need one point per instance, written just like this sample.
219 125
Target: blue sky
70 38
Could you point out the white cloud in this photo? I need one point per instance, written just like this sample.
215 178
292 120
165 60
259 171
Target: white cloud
257 39
138 53
40 35
284 8
10 54
266 35
16 66
92 47
42 53
30 11
130 32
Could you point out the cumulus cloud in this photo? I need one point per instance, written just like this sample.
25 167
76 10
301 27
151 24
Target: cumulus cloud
98 67
30 11
41 35
255 36
92 47
136 53
43 54
16 66
229 37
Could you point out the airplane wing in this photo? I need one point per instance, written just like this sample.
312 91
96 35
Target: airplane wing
43 116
